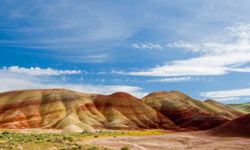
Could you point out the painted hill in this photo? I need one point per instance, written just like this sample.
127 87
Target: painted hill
187 112
237 127
244 107
73 111
125 111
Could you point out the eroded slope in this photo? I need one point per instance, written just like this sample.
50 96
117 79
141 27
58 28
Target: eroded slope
187 112
237 127
73 111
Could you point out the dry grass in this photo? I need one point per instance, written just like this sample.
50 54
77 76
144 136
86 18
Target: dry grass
62 140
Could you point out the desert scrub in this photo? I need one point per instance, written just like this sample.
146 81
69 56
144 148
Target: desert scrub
62 141
93 148
13 139
66 140
96 147
125 148
117 133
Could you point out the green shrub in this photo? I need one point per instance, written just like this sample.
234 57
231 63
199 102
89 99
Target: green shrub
125 148
93 148
68 138
5 133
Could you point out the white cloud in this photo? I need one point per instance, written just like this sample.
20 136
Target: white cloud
119 72
65 29
12 81
246 69
217 58
146 45
37 71
113 71
226 99
77 31
174 79
233 94
90 58
187 46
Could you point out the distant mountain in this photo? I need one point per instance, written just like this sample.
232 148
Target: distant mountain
237 127
225 107
187 112
244 107
74 111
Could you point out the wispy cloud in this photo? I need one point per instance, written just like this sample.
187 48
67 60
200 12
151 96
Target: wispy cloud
243 69
147 45
112 72
89 58
227 95
173 79
217 58
77 29
66 24
13 81
37 71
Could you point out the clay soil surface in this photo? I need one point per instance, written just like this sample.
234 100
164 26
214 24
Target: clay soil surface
199 140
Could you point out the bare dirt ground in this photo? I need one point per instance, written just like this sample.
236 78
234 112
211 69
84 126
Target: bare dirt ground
174 141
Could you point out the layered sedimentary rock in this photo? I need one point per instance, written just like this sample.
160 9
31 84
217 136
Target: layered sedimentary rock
237 127
187 112
125 111
73 111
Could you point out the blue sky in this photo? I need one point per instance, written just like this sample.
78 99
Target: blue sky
199 47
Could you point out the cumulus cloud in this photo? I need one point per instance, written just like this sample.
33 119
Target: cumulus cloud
37 71
227 95
217 58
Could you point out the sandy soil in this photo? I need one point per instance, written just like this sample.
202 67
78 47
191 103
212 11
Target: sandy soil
174 141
